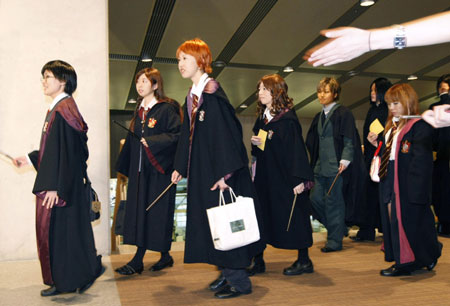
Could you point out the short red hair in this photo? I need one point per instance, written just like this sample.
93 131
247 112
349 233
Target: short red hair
198 49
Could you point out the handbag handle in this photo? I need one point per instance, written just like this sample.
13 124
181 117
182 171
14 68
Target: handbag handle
222 198
378 149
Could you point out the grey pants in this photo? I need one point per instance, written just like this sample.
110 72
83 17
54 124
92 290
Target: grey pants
330 209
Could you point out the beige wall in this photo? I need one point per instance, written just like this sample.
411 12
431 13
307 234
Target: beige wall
32 33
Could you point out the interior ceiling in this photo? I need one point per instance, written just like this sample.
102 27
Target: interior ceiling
258 37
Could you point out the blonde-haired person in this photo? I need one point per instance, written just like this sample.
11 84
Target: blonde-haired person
212 156
335 147
410 238
148 164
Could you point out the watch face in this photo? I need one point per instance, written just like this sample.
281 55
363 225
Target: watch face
400 42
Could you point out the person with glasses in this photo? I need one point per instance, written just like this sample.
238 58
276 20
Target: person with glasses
65 240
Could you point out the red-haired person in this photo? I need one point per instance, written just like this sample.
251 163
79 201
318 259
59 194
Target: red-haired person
147 161
212 156
282 174
410 238
65 240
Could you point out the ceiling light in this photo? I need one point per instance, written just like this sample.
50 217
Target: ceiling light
352 73
412 77
219 64
366 2
146 60
288 69
132 101
243 106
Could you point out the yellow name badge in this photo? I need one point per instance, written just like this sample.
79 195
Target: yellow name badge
376 127
263 135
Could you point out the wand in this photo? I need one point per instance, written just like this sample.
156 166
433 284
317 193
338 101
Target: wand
334 181
292 211
160 196
132 133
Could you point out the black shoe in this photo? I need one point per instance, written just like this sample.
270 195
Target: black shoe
218 284
52 291
326 249
129 270
88 285
431 265
443 229
256 269
394 271
361 239
297 268
229 292
162 264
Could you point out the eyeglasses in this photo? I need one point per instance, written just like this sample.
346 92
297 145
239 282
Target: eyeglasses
46 77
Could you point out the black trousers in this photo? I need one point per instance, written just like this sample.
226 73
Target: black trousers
237 278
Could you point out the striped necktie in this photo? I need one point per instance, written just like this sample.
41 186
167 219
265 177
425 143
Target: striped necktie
193 115
387 153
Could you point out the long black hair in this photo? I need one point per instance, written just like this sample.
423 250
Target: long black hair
381 85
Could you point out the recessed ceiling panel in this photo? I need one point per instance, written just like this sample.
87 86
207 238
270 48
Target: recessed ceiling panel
288 28
445 69
423 88
128 22
355 89
120 75
214 21
175 86
410 60
303 85
348 66
387 12
250 111
240 83
310 110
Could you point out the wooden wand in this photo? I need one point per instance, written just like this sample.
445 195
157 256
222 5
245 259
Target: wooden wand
334 181
292 211
160 196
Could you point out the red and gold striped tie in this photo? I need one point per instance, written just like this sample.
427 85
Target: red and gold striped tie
386 154
193 115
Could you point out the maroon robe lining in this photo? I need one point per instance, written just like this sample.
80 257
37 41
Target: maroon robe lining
69 111
406 253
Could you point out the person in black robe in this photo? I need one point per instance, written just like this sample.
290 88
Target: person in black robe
405 173
369 211
62 203
147 160
333 151
282 174
212 156
441 166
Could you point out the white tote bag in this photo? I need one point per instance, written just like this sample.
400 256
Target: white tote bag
233 225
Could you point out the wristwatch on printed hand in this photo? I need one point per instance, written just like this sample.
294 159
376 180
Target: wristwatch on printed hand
400 37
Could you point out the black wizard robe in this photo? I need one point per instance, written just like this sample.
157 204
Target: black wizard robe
65 239
279 168
216 151
441 168
149 172
370 208
410 236
354 176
